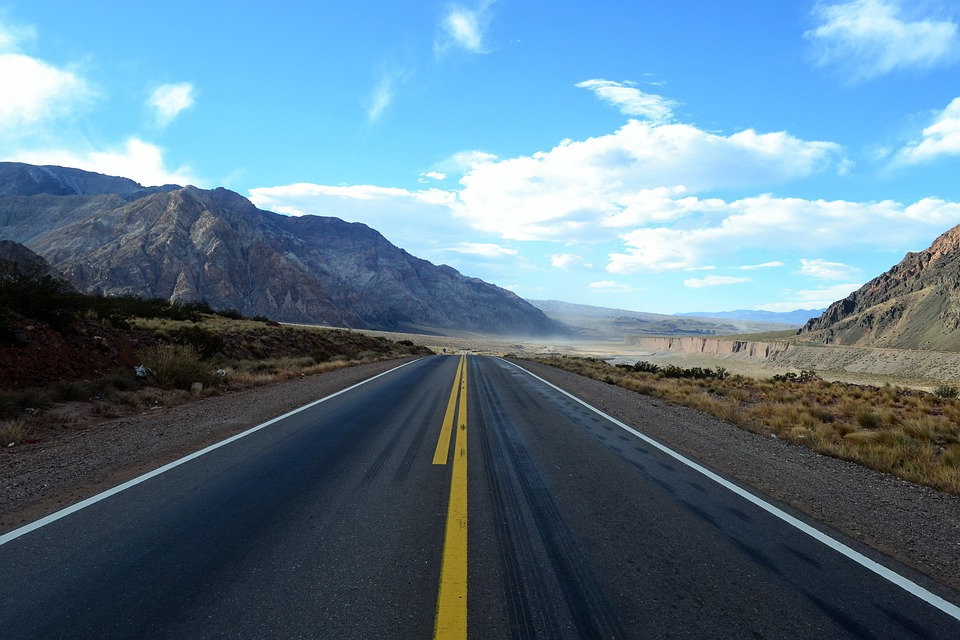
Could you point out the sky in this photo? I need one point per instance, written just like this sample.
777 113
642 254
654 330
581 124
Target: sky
663 156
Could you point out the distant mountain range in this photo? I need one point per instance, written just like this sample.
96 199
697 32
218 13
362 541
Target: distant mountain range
793 318
914 305
601 323
113 236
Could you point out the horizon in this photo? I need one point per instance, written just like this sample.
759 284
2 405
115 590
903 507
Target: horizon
735 157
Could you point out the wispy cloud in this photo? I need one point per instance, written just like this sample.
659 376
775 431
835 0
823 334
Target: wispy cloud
608 286
463 28
766 265
630 100
941 138
826 270
170 100
485 249
713 281
870 38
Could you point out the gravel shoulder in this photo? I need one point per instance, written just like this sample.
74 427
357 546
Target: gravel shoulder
915 525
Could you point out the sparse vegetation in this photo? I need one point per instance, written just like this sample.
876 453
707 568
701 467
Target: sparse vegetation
912 434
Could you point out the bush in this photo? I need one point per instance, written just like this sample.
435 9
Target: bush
206 342
176 367
947 391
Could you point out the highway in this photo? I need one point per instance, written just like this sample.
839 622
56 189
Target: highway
451 497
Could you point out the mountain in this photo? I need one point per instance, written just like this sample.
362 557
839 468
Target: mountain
914 305
794 318
112 236
601 323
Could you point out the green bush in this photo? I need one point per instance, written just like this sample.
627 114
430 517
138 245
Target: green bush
174 366
947 391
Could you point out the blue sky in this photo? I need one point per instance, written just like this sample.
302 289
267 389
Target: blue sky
663 156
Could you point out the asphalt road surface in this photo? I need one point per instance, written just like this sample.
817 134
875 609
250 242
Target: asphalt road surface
455 496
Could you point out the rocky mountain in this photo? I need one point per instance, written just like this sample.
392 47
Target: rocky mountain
914 305
112 236
18 260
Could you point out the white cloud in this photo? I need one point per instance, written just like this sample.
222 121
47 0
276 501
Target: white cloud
382 95
431 175
631 101
713 281
826 270
401 215
137 160
485 249
812 298
464 161
170 100
562 193
35 92
568 261
463 28
765 265
11 36
942 138
612 286
869 38
783 224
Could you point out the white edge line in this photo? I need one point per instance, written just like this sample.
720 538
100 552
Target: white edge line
33 526
904 583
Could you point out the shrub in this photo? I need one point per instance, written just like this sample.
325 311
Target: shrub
176 367
13 431
947 391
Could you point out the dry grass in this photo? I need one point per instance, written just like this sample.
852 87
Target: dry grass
912 434
13 431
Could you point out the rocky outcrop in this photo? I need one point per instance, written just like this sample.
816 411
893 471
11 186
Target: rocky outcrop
712 346
914 305
187 244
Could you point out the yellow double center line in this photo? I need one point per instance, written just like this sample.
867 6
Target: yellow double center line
451 621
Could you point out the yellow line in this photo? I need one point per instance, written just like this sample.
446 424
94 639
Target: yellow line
443 444
451 622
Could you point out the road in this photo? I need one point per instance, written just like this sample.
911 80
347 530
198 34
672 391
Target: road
454 496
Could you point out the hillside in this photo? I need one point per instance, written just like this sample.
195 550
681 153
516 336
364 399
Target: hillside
914 305
112 236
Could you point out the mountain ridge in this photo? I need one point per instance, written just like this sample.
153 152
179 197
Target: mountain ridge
189 244
913 305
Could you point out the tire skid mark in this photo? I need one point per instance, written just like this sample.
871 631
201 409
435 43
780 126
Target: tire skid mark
590 611
528 615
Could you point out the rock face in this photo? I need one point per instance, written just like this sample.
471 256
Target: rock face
113 236
914 305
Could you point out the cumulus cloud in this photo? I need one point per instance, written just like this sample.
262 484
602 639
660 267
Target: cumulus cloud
630 101
137 160
942 138
713 281
870 38
826 270
463 28
765 222
568 261
34 91
617 179
170 100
